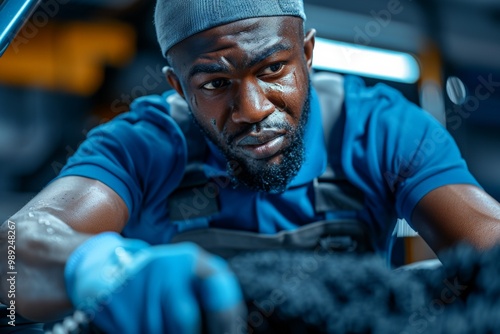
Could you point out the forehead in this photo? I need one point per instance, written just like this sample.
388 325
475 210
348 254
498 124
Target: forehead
244 36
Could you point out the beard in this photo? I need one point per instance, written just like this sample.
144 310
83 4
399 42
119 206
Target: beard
264 175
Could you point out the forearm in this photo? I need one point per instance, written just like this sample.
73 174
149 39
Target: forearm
42 244
458 213
47 230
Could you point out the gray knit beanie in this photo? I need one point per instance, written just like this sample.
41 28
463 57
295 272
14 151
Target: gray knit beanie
176 20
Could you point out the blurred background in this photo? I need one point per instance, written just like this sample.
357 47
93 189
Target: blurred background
79 63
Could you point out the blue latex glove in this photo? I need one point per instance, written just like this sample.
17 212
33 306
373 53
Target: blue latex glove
128 286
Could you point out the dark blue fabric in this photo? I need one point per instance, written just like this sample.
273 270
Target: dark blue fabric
392 150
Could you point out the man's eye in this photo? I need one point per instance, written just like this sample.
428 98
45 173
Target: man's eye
215 84
274 68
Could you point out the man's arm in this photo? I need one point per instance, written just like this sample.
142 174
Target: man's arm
47 230
455 213
123 285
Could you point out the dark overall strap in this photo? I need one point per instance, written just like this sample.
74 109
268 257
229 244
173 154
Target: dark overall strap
342 236
330 89
180 202
179 110
332 190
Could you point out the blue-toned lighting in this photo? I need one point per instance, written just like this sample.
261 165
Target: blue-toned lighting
13 14
365 61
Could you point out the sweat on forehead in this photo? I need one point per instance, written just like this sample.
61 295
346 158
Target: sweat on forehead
176 20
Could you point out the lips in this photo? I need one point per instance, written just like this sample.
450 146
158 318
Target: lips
262 144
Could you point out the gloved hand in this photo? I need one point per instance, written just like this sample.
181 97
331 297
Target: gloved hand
128 286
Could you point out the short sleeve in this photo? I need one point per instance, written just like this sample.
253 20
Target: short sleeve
395 151
141 154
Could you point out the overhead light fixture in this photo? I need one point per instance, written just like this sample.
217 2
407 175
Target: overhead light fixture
365 61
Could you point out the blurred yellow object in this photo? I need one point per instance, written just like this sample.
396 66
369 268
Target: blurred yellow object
68 57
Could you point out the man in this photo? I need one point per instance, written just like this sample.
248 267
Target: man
243 70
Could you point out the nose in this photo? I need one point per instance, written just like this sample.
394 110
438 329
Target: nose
251 105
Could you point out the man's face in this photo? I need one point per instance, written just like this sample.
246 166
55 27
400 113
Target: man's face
247 86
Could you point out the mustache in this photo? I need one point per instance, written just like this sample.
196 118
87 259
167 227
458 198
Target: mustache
274 122
263 126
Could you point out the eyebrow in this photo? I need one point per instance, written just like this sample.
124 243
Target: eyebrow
222 68
208 68
266 53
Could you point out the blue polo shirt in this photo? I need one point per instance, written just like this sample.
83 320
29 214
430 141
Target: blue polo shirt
391 150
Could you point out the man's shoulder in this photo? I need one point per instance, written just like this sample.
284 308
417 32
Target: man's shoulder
381 104
148 111
151 104
349 91
356 89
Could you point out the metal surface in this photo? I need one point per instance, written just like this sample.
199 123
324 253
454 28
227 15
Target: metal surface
13 15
